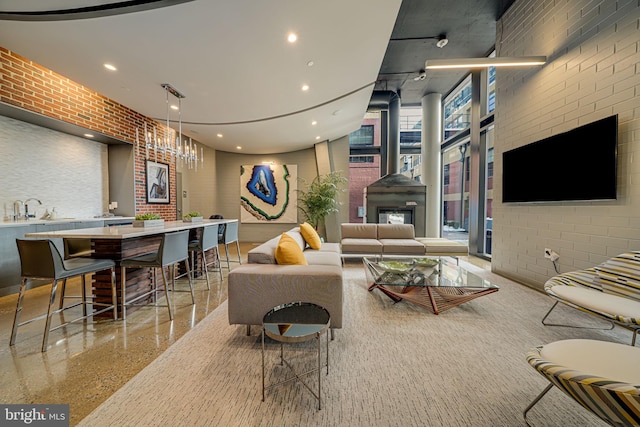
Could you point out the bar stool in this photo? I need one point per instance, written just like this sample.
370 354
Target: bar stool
172 250
230 235
74 248
207 241
40 259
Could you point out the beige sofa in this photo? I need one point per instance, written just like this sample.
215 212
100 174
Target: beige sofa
379 240
261 284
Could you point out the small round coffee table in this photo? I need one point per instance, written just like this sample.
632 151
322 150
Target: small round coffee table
291 323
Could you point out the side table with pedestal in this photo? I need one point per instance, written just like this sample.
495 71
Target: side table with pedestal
291 323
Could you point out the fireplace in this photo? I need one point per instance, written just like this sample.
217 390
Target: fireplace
397 199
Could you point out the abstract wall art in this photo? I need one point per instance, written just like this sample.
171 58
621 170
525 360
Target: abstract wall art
157 182
268 193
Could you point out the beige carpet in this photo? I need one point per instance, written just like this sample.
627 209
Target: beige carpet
391 365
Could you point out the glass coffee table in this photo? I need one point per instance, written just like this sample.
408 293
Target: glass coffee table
433 283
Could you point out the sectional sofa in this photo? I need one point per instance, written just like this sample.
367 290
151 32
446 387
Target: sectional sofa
379 240
261 284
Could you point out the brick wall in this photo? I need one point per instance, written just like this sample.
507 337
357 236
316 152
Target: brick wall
592 72
28 85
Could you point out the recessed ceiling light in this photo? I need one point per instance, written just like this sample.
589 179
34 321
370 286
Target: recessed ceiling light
238 147
110 67
219 135
88 135
292 37
317 137
314 123
305 88
174 107
310 64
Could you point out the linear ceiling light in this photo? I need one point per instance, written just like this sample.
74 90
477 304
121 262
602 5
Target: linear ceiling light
524 61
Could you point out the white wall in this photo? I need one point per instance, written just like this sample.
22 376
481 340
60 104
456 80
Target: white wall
591 73
61 170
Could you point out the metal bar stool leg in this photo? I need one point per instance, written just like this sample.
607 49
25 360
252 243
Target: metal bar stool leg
226 252
52 298
114 294
16 317
63 289
123 292
83 283
205 268
193 296
166 293
219 261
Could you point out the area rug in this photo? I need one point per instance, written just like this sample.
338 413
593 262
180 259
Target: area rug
392 364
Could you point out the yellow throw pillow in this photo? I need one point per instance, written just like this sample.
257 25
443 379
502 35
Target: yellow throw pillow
310 236
288 251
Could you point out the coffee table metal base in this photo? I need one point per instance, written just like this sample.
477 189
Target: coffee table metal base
436 299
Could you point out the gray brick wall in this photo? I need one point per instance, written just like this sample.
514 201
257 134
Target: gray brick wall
593 71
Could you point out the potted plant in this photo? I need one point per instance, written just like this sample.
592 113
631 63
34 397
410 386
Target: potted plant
148 220
192 217
321 197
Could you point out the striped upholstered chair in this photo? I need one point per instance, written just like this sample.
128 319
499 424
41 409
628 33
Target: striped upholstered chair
601 376
610 290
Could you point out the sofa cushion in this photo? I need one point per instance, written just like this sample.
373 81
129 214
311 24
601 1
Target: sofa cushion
361 246
396 231
316 257
359 231
265 253
288 251
329 247
310 235
402 246
438 245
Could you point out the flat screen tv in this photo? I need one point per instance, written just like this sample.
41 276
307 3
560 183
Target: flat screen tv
576 165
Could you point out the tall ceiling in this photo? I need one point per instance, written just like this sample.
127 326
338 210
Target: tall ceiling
469 27
231 59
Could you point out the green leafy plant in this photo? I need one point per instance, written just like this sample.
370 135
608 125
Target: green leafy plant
193 214
320 197
147 216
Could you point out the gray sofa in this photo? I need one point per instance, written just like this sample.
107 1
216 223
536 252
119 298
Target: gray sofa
261 284
379 240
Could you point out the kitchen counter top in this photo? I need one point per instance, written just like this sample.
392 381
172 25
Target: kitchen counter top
127 231
23 222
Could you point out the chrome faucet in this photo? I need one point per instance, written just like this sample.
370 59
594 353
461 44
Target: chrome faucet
26 208
16 209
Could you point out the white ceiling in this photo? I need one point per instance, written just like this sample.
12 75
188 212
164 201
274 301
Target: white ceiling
231 60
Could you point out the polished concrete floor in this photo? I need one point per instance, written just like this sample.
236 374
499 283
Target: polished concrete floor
88 361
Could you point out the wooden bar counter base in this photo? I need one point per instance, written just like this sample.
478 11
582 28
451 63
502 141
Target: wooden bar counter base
121 242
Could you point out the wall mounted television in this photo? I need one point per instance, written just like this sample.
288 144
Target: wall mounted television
577 165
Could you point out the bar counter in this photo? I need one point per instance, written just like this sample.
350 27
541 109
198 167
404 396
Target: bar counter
126 231
118 243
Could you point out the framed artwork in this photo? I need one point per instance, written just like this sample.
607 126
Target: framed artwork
268 193
157 182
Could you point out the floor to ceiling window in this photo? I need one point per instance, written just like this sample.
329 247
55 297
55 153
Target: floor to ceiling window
364 164
486 136
467 159
455 194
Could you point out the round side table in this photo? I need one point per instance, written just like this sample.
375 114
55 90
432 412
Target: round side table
291 323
